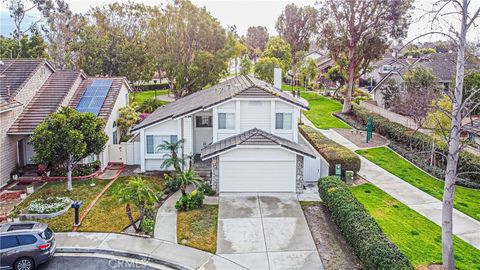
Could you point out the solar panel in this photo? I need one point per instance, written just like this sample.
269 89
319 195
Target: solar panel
94 96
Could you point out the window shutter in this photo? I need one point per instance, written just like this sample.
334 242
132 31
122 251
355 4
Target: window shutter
150 149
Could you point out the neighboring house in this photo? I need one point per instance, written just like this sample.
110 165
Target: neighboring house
473 130
442 65
31 89
387 65
246 128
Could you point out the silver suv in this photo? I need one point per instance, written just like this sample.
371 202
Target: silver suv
25 245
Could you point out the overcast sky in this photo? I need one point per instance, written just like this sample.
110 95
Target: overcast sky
245 13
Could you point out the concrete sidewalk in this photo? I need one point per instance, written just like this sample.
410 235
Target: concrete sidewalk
149 249
465 227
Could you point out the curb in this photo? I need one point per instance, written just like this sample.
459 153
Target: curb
137 256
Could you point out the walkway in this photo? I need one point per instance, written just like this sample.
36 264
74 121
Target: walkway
265 231
149 249
465 227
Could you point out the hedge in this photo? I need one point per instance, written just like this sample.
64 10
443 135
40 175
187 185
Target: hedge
360 230
151 87
333 152
420 143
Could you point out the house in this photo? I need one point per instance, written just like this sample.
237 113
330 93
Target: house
31 89
473 130
442 66
243 128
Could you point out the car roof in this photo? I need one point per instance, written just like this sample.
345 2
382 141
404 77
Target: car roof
22 227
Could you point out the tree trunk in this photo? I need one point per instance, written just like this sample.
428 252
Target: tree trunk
141 209
183 189
347 99
432 154
69 176
130 217
453 150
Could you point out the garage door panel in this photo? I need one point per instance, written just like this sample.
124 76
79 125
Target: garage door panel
257 176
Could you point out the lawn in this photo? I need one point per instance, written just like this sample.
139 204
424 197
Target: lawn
145 95
416 236
467 200
109 215
321 109
288 87
198 228
82 191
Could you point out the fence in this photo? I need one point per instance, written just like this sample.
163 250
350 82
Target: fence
126 152
394 117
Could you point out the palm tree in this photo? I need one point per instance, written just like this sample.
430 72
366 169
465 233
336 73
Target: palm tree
139 193
188 177
171 158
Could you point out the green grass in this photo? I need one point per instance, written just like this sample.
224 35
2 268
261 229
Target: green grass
321 109
288 87
82 191
466 200
416 236
309 203
198 228
145 95
109 215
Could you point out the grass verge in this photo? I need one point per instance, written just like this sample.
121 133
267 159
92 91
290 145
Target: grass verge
467 200
416 236
146 95
321 109
309 203
82 191
108 214
198 228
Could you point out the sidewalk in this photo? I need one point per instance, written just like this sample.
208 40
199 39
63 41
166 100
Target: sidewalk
153 250
465 227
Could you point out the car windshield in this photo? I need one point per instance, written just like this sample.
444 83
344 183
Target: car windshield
47 234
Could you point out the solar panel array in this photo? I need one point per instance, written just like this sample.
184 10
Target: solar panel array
94 96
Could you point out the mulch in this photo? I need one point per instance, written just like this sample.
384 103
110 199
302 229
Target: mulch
358 137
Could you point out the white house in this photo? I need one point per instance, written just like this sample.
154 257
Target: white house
246 128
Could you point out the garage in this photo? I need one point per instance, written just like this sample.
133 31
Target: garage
257 170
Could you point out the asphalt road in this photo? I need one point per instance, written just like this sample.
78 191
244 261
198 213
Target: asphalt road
94 263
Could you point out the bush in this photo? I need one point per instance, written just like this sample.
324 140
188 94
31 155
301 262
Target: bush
207 189
149 105
151 87
420 143
148 225
333 152
172 184
361 231
191 201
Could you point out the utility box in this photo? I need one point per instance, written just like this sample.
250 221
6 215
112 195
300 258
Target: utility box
338 170
349 177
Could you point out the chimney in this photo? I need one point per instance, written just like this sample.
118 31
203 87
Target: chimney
277 78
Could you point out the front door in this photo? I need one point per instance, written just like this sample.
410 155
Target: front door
21 153
203 132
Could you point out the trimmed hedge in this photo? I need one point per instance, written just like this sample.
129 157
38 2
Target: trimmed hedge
333 152
151 87
420 143
361 231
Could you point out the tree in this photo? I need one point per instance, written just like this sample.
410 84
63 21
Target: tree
337 75
245 66
189 46
297 25
235 49
310 71
188 177
357 31
66 137
471 85
171 158
27 47
139 193
256 40
19 9
280 49
126 119
264 67
389 89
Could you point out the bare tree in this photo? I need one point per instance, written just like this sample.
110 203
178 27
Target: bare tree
20 9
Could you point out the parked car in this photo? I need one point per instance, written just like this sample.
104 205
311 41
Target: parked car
25 245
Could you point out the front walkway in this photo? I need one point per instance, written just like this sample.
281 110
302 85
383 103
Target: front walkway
153 250
465 227
265 231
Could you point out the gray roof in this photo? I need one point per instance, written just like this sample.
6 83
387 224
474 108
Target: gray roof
473 127
253 137
243 86
444 65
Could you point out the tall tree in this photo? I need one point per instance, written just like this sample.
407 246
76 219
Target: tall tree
280 49
189 47
66 137
256 40
20 9
358 31
264 67
32 46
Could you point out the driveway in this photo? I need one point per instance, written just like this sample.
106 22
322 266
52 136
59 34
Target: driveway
265 231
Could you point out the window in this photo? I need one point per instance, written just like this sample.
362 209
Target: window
115 137
283 121
47 234
203 121
387 68
26 239
8 242
226 121
153 141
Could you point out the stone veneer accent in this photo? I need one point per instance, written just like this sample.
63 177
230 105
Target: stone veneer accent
214 182
299 181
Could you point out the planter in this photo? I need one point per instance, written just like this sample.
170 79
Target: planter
23 196
42 216
30 190
15 177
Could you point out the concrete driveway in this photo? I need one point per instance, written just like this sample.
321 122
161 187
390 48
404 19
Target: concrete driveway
265 231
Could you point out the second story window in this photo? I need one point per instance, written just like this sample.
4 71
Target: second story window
387 68
283 121
226 121
203 121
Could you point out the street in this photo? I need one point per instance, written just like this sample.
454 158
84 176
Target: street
93 263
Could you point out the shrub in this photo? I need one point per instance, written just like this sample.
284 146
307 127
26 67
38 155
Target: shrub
191 201
361 231
333 152
207 189
152 87
148 225
148 106
172 184
48 205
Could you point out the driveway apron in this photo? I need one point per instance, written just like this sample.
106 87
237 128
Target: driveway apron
265 231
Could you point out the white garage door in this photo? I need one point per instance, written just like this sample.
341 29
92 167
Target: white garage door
263 170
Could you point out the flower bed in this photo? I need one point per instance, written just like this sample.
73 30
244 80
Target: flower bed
47 208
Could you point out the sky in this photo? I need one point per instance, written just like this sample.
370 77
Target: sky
245 13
